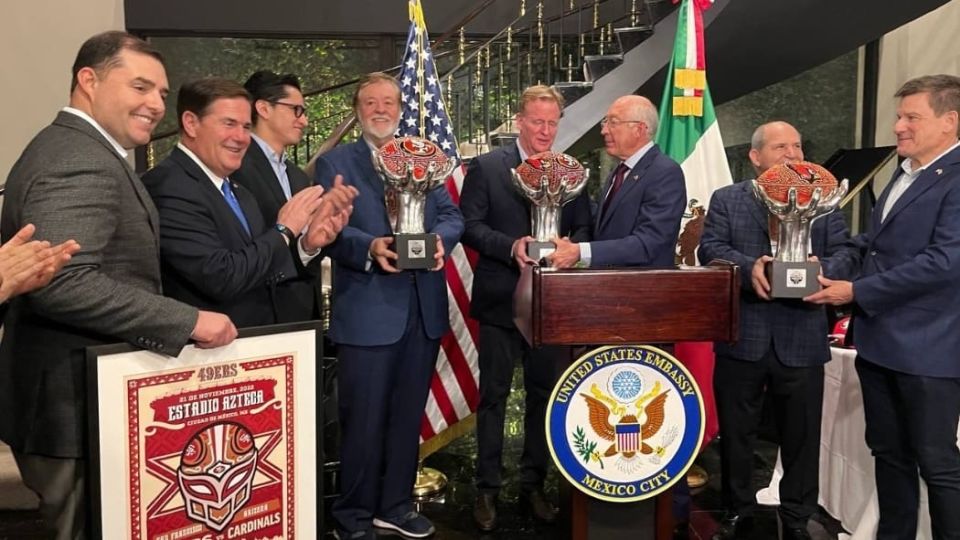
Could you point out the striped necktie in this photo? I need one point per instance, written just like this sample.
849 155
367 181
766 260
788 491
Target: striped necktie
618 177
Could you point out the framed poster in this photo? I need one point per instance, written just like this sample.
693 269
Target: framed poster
213 444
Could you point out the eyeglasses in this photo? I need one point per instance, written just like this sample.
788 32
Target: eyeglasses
298 110
613 122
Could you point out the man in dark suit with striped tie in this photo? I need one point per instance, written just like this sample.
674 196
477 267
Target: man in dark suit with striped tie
216 249
638 218
639 212
781 348
279 120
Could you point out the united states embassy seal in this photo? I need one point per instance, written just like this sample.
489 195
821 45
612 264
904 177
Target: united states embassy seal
624 423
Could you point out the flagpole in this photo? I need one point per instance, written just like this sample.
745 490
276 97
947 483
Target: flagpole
429 481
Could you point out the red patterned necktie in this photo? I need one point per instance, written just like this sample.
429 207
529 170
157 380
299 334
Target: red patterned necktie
618 177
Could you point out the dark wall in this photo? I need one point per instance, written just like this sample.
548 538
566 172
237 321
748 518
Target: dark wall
317 18
756 43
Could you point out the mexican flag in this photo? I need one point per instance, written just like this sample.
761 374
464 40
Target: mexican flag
689 133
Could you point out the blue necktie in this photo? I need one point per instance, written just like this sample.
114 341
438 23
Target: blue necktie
234 204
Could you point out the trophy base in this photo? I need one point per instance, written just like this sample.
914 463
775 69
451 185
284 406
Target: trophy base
415 251
538 250
792 279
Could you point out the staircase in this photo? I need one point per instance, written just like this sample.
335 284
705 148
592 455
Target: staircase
594 51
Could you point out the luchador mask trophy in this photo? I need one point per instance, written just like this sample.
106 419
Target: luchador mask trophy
548 180
411 167
796 194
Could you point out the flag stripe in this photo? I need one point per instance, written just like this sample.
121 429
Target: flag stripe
443 401
452 375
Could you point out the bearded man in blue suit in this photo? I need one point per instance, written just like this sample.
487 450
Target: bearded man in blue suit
906 319
387 326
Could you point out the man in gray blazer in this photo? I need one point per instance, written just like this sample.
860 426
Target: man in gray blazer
73 181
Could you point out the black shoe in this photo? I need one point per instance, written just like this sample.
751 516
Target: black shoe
485 512
681 531
735 527
535 503
796 533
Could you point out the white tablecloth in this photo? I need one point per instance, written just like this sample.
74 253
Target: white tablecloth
847 489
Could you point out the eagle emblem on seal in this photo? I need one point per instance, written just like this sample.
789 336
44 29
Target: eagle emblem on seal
628 420
626 443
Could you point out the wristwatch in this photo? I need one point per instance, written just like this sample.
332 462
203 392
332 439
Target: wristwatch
282 229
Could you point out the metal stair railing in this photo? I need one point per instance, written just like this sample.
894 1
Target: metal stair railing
484 77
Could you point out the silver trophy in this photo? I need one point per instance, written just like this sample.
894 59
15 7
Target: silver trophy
796 194
549 181
411 167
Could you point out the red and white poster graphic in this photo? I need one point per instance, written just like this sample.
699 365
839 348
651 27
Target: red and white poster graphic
211 451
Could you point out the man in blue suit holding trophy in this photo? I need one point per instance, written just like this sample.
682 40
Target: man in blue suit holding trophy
907 314
387 326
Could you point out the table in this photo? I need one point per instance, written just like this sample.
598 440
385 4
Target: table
847 490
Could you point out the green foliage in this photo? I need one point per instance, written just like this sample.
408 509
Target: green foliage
318 63
586 449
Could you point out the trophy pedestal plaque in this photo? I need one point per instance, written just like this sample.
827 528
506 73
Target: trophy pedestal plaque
792 279
415 251
537 250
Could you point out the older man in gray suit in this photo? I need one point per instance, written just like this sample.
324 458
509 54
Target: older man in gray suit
73 181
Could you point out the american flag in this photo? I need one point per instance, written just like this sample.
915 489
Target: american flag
453 390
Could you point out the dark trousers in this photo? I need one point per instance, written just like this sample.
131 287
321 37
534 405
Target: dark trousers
499 350
797 397
383 392
60 484
912 425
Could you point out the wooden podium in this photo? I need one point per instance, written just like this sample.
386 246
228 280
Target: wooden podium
595 307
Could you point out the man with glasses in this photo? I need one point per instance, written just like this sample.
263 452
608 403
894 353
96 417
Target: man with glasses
216 249
279 120
638 214
497 220
641 203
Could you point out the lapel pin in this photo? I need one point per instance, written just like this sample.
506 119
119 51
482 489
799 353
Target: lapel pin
939 171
